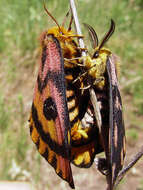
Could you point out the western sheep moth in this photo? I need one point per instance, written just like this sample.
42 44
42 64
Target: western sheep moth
100 73
57 109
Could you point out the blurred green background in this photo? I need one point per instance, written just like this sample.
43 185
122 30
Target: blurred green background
21 23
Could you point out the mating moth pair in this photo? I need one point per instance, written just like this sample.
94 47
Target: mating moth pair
62 121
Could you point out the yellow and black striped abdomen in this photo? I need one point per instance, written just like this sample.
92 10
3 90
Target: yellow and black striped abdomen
85 142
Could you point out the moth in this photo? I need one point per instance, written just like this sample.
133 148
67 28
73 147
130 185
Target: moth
100 72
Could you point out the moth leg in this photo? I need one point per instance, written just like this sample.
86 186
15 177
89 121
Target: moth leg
79 77
100 81
83 49
76 36
97 81
74 63
85 88
72 36
102 166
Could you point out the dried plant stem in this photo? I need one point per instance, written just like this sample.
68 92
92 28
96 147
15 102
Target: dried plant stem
77 26
129 166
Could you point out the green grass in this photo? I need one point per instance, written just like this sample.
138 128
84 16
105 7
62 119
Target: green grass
132 134
13 137
141 185
4 115
21 25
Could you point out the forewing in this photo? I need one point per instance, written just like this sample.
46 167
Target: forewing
116 123
49 120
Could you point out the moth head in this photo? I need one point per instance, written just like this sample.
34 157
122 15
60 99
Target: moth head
99 48
96 64
62 35
59 31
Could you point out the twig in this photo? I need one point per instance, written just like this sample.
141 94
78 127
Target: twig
94 102
129 166
77 26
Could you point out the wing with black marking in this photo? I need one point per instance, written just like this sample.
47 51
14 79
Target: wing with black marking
116 123
49 120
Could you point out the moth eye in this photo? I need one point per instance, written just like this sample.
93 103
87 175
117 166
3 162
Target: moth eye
49 109
96 54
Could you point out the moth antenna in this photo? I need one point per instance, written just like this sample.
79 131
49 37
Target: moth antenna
108 35
51 16
69 28
65 18
92 34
